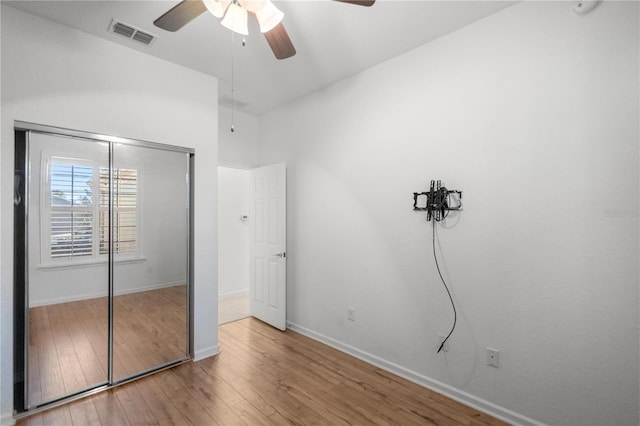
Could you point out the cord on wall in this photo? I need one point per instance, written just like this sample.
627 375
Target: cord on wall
439 201
453 305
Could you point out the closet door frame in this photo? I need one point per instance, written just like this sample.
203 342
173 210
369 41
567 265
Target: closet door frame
22 131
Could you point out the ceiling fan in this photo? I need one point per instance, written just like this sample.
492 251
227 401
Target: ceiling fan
234 15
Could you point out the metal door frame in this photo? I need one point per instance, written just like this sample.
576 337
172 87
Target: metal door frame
22 131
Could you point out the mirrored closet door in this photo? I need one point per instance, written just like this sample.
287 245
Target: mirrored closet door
101 262
150 249
68 280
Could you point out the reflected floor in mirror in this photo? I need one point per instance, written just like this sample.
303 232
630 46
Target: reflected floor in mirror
67 348
149 329
68 341
233 309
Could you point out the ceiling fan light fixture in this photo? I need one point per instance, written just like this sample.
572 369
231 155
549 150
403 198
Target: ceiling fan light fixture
236 19
268 16
217 7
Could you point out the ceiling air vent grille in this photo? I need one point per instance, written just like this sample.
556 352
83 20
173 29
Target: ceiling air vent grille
122 29
143 38
131 32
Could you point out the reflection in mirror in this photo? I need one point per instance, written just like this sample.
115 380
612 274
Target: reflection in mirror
68 276
101 258
150 249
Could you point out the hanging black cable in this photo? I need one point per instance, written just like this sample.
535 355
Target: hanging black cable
438 205
455 314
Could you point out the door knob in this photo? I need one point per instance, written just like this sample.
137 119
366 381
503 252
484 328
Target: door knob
283 254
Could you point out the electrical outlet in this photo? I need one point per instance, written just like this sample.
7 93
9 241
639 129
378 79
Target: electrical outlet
351 314
441 337
493 357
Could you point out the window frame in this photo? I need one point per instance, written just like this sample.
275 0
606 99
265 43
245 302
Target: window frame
46 259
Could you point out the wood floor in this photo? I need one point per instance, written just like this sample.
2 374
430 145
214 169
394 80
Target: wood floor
68 341
266 377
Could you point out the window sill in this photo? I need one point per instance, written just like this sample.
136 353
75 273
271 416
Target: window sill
88 263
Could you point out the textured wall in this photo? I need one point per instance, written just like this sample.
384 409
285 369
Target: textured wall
58 76
533 113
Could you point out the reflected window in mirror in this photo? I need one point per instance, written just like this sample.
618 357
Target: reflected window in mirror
75 219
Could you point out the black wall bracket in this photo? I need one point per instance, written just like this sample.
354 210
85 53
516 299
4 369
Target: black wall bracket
438 201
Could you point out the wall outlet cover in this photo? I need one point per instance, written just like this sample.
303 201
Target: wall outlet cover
351 314
493 357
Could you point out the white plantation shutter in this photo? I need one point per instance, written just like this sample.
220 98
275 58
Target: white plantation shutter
71 221
125 206
79 210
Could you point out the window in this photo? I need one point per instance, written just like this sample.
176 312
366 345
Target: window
125 206
77 225
71 220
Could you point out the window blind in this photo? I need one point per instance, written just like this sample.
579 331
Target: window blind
79 227
71 221
125 201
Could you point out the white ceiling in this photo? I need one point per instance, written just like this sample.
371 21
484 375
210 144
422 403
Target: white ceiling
333 40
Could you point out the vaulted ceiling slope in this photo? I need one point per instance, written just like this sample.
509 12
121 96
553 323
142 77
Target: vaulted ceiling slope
333 40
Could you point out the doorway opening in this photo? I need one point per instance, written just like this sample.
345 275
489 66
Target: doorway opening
252 243
234 197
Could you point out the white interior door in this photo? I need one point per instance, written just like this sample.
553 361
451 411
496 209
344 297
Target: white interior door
268 264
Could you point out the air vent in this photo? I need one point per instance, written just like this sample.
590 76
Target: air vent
124 30
143 38
227 101
131 32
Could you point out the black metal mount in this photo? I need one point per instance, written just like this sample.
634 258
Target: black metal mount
437 201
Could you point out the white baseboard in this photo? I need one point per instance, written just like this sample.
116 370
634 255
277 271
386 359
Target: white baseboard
434 385
206 352
230 294
7 419
77 298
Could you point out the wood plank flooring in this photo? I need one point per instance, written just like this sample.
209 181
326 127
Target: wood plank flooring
149 329
266 377
68 341
67 348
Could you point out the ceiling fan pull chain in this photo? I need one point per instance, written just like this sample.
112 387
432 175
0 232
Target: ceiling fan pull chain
232 83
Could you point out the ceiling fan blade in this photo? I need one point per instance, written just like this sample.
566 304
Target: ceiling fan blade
359 2
280 42
180 15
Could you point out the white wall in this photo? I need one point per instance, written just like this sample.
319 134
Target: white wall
58 76
234 191
240 147
237 152
533 113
